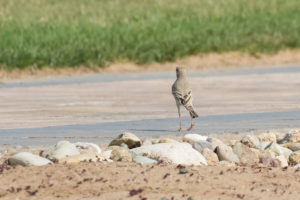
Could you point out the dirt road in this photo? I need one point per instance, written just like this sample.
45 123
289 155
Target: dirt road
98 106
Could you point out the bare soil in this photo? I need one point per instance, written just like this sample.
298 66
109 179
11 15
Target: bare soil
201 61
134 181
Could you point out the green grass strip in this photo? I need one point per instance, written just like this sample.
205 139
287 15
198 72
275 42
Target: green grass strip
95 32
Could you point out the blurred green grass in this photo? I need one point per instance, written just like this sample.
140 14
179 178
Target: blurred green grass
60 33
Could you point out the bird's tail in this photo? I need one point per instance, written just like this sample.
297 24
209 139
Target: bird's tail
193 114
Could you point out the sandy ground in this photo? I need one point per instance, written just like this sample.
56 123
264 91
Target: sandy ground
135 181
196 62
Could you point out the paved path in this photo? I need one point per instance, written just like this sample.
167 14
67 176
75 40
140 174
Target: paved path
98 107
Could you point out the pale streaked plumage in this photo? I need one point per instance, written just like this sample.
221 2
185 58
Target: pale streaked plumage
183 95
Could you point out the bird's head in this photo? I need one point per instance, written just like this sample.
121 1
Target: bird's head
180 72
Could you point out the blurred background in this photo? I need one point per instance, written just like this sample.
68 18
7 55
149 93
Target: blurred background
95 33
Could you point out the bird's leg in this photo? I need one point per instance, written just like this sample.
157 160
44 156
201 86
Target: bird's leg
192 125
178 108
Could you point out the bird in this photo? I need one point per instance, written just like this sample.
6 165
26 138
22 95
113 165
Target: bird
183 95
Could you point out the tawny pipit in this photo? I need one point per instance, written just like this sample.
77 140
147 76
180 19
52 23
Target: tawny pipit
183 95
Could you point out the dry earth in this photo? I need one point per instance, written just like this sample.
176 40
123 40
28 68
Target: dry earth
135 181
201 61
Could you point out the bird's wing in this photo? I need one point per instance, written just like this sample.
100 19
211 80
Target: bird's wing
186 99
183 98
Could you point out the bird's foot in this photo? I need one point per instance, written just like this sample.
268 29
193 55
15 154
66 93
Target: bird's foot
191 127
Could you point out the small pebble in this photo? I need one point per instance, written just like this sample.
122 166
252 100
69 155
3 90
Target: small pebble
183 171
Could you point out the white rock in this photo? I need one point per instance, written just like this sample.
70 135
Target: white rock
210 156
279 150
192 138
200 145
293 137
107 153
263 145
216 142
245 154
282 161
177 153
267 137
27 159
61 150
292 146
147 142
130 139
250 140
120 154
225 152
86 147
266 153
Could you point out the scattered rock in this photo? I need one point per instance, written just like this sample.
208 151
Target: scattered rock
231 143
155 141
202 144
167 140
282 161
291 137
266 153
292 146
143 160
61 150
177 153
147 142
279 150
106 154
27 159
130 139
267 137
269 162
245 154
263 145
225 152
86 147
210 156
294 158
250 140
120 154
124 146
183 171
216 142
192 138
